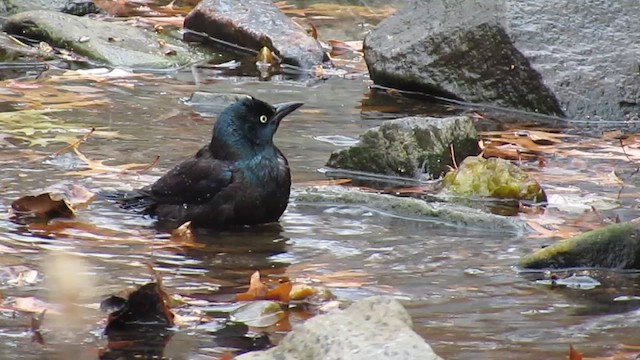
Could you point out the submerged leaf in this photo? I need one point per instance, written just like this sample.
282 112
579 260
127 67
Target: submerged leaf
261 313
59 201
145 307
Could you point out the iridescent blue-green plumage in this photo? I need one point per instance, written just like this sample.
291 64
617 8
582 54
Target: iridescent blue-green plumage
239 178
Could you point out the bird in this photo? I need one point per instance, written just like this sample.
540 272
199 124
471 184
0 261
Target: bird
239 178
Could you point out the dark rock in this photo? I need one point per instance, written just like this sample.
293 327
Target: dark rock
111 43
615 246
255 24
586 51
73 7
410 147
456 49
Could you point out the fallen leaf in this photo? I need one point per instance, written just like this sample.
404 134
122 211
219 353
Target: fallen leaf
257 290
36 323
33 305
44 205
573 354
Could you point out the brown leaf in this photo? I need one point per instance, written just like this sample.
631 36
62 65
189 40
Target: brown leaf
183 234
573 354
36 322
314 31
44 205
257 290
61 200
280 293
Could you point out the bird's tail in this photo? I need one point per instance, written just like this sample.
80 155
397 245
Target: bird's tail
130 200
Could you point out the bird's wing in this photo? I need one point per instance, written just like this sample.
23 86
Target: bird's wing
196 180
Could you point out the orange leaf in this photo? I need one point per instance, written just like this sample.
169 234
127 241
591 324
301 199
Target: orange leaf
573 354
280 293
257 290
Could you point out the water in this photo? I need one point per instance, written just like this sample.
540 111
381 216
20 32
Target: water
459 285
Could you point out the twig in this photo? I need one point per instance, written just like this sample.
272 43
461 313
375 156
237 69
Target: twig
147 167
625 152
453 156
75 144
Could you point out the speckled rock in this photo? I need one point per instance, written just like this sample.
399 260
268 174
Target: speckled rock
586 51
373 328
107 42
457 49
410 147
74 7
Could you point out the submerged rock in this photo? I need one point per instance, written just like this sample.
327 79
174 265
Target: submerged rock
373 328
494 177
256 24
586 51
410 147
453 214
615 246
73 7
111 43
457 49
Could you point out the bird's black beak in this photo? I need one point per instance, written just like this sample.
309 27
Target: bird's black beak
284 109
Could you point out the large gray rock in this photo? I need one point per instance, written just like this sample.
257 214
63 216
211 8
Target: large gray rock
111 43
255 24
456 49
586 51
372 328
410 147
74 7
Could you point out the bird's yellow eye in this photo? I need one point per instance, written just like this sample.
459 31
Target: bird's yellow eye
263 119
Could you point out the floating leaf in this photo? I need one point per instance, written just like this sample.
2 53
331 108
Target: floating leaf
261 313
59 201
259 291
43 205
573 354
33 305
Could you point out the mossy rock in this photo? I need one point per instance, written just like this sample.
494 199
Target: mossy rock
615 246
109 43
494 177
410 147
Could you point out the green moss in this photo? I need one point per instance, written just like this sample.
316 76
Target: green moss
493 177
613 246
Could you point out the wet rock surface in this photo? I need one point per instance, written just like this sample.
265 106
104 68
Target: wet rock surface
410 147
587 53
109 43
373 328
74 7
255 24
456 215
457 49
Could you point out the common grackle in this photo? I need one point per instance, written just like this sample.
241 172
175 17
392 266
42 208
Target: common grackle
239 178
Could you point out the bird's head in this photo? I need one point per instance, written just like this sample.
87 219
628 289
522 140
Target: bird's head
250 122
